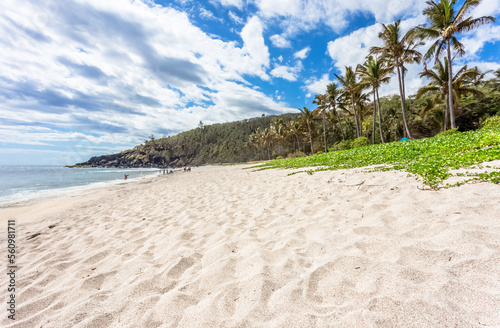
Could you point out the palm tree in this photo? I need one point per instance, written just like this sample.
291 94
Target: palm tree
279 133
321 101
397 51
462 83
333 93
350 86
375 72
445 22
295 130
308 117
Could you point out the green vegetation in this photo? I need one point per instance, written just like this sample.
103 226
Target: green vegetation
429 158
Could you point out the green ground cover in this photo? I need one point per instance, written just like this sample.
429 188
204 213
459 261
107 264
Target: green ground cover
429 158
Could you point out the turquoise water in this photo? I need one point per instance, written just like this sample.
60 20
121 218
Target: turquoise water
25 182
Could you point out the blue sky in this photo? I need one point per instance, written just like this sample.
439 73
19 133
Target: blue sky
93 77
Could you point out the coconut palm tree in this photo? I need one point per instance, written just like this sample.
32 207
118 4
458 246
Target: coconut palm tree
445 23
373 73
308 119
295 130
398 50
333 97
322 103
462 83
350 87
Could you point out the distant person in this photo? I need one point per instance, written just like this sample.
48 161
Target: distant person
126 176
189 169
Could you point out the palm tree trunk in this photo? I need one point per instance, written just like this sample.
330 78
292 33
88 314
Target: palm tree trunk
268 153
380 119
403 102
450 88
446 114
310 139
339 122
358 134
374 116
324 131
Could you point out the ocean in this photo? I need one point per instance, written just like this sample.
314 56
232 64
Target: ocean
19 183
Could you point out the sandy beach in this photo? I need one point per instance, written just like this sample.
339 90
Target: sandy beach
227 246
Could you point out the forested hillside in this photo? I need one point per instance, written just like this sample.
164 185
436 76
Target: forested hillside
207 144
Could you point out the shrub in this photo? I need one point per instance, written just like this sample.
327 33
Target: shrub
279 157
296 154
343 145
447 133
319 152
492 122
360 142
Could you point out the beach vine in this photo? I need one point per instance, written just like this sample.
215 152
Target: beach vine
429 158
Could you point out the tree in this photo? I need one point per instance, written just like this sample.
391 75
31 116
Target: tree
375 72
445 23
321 101
397 51
333 96
350 86
462 83
308 118
295 130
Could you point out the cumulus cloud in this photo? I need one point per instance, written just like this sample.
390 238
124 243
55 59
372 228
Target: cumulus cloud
302 54
254 44
234 3
317 85
475 40
351 50
280 42
289 73
304 15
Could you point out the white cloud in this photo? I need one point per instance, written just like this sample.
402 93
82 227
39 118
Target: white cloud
289 73
484 66
207 14
475 40
254 44
233 3
280 42
487 8
304 15
317 85
351 50
235 18
302 54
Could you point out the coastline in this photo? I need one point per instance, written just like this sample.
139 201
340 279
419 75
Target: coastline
31 207
230 246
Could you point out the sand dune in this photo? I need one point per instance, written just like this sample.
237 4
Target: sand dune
230 247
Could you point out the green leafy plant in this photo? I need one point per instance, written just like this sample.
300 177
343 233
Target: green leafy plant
429 158
360 142
447 133
492 122
342 145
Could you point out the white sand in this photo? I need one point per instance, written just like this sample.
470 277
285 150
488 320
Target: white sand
228 247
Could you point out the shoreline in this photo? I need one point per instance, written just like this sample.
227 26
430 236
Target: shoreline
26 207
229 246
